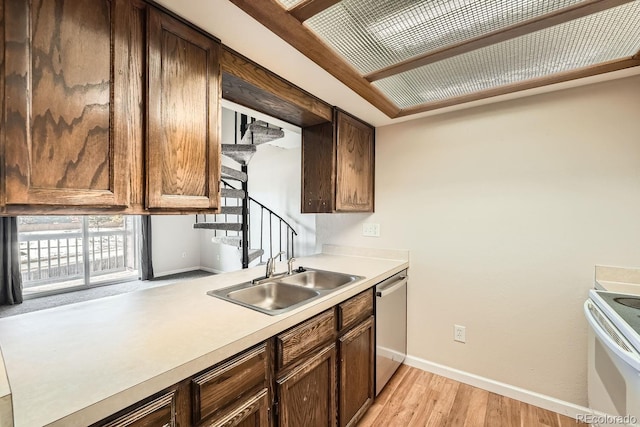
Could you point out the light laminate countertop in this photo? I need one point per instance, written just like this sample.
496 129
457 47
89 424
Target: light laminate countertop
76 364
622 280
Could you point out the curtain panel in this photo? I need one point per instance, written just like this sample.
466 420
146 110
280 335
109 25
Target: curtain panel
10 276
146 266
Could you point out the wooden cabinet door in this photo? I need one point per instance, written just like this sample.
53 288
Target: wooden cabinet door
183 146
356 387
61 138
307 395
354 164
318 165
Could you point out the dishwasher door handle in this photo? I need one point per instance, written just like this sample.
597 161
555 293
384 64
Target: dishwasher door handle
391 288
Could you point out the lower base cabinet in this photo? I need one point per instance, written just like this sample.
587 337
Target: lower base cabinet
307 395
357 357
319 373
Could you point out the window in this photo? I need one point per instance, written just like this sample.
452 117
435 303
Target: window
61 253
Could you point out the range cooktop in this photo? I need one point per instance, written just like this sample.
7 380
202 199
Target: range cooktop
623 310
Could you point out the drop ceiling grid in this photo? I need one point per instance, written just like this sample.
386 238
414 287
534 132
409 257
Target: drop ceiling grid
374 34
591 40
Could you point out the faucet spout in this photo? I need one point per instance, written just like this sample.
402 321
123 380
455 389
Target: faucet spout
271 264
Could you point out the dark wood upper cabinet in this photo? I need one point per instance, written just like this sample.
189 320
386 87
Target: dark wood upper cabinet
338 166
183 110
62 137
354 164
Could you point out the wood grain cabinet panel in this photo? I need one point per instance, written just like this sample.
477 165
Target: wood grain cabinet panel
354 164
251 412
307 395
168 408
338 166
220 387
183 137
318 164
62 138
356 382
297 342
355 309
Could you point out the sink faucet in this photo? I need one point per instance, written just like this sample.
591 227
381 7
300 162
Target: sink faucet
290 265
271 264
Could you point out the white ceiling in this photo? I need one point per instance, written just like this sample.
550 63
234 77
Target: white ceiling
242 33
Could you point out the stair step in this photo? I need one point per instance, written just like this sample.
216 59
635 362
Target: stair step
231 173
241 153
232 192
228 240
227 226
255 253
231 210
259 133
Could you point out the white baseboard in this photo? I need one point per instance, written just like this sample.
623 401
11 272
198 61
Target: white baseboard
390 354
211 270
183 270
523 395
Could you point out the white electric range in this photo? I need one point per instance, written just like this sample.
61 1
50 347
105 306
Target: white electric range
614 356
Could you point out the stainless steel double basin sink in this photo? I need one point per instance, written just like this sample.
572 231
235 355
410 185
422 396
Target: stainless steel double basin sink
282 293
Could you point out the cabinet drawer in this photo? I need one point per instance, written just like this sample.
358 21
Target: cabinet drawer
224 384
158 412
355 309
252 411
301 339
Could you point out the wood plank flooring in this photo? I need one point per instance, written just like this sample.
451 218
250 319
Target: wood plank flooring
417 398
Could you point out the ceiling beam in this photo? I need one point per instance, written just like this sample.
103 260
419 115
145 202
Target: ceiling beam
557 17
309 8
251 85
273 16
593 70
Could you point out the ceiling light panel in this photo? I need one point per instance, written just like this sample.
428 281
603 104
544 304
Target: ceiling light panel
374 34
597 38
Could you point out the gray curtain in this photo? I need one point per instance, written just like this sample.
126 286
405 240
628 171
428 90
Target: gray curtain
10 277
146 266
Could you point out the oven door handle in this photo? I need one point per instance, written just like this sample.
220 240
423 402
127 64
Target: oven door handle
631 357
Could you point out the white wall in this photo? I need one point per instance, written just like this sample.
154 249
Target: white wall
174 244
275 181
506 209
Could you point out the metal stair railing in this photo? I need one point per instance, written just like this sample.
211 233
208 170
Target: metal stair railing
285 232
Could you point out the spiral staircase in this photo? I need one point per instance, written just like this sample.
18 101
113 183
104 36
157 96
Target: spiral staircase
233 224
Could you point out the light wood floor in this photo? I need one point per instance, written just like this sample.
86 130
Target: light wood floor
417 398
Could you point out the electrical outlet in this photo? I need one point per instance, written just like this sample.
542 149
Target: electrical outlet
184 254
371 229
459 333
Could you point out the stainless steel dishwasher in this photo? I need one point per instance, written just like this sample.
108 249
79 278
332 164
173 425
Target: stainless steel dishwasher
391 327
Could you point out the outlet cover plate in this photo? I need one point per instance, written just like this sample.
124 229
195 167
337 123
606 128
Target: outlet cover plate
371 229
459 333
